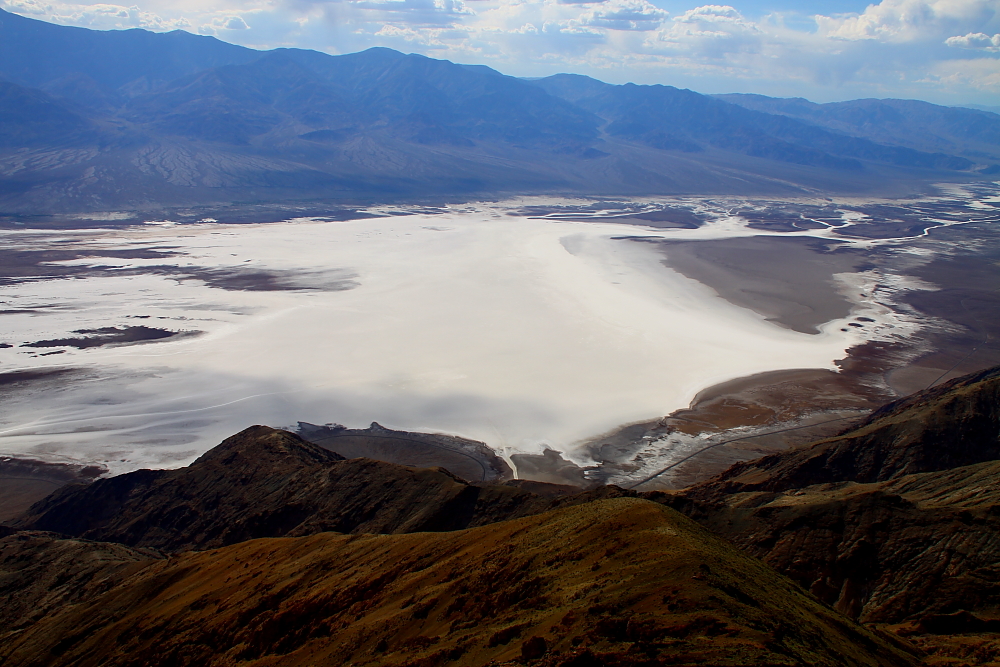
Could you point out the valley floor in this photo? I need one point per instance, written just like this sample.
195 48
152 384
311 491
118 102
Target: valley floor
529 325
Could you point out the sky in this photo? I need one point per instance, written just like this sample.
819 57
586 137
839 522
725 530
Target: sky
942 51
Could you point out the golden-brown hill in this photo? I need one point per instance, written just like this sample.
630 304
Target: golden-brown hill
613 582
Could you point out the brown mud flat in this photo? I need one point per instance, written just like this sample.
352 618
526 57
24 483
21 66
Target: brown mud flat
236 213
238 279
626 213
20 378
783 409
967 299
669 218
773 411
46 262
43 261
787 280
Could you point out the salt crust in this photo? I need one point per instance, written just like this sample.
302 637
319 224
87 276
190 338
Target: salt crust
478 321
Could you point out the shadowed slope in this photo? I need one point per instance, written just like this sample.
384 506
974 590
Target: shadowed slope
41 572
882 552
950 425
891 521
615 582
264 482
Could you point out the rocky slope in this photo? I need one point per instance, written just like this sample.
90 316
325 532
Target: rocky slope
886 552
613 582
895 523
264 482
896 520
950 425
42 572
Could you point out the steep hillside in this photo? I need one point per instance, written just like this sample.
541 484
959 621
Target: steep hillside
896 520
950 425
885 552
616 582
264 482
30 118
42 572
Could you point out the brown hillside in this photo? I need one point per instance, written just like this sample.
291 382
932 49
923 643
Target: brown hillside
891 551
264 482
41 572
951 425
848 520
609 583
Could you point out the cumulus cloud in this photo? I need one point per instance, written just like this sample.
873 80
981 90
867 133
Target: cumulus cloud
223 23
908 20
975 40
712 31
624 15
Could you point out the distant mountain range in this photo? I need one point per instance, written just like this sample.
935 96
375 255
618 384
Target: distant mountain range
94 120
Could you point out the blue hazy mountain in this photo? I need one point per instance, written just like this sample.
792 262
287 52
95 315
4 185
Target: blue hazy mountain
39 54
670 118
910 123
133 119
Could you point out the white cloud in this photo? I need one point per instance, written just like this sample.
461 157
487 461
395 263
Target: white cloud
99 16
975 40
624 15
236 23
981 74
908 20
711 14
706 29
223 23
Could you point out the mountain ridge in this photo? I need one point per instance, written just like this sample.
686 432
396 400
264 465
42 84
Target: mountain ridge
264 482
621 583
893 521
192 120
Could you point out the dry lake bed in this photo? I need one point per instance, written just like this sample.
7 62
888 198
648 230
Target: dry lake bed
539 326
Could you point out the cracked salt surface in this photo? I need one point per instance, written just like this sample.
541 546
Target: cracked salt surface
518 331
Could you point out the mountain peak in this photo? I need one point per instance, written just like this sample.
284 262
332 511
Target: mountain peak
259 445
